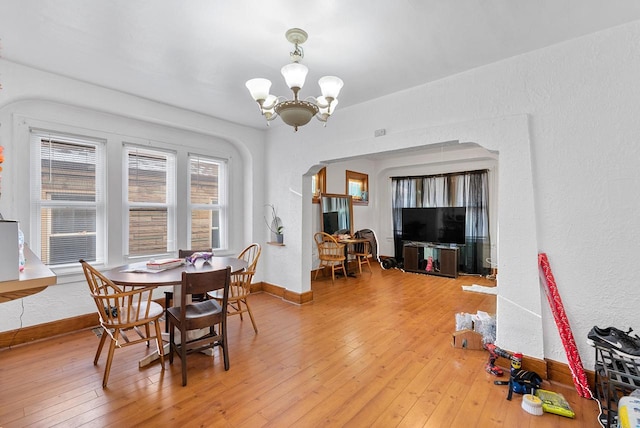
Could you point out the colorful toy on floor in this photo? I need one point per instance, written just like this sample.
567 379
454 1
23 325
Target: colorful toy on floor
429 264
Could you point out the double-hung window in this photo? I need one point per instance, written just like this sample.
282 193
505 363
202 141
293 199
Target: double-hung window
207 202
67 198
150 183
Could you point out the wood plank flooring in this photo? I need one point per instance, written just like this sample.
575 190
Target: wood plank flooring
372 351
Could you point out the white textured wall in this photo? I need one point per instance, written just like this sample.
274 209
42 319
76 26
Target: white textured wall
580 101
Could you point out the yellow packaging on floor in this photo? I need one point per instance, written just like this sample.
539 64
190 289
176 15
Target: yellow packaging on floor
629 412
554 402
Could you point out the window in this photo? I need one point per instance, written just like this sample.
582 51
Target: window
150 184
67 191
207 202
358 187
318 184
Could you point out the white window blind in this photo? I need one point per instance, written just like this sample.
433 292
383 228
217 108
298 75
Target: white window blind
150 189
67 198
207 202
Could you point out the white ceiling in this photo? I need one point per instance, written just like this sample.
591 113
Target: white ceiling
197 54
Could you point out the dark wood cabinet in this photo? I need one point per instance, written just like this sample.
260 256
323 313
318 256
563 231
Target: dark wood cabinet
449 262
413 257
444 260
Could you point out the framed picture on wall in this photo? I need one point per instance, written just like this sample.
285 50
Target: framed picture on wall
357 185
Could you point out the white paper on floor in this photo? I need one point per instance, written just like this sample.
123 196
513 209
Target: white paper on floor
480 289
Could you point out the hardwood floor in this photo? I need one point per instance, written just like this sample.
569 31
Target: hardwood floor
368 351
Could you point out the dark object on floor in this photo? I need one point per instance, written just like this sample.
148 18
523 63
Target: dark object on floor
524 382
389 263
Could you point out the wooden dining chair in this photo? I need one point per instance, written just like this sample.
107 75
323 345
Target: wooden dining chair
331 254
251 254
120 311
168 295
240 288
361 252
206 314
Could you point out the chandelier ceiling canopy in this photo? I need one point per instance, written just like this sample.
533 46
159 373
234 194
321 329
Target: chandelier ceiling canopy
296 112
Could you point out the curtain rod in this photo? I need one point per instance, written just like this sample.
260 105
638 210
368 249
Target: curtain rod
448 174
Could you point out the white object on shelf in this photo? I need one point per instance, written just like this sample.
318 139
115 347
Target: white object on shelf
21 258
9 253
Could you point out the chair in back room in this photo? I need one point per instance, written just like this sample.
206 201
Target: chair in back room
331 254
361 252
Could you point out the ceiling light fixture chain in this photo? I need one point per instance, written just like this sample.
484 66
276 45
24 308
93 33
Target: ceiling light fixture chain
296 112
297 37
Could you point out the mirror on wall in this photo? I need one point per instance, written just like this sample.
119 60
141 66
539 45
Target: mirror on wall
337 213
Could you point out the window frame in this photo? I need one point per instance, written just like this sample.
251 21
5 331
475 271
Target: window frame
114 131
37 137
170 202
363 179
222 206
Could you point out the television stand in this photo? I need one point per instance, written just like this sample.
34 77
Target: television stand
444 260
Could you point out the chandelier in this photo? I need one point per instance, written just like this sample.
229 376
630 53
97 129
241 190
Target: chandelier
296 112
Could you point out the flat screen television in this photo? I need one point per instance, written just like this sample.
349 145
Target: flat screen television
444 225
330 223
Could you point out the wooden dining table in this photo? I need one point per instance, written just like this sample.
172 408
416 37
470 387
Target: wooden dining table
138 275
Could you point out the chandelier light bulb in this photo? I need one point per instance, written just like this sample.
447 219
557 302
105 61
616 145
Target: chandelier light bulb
294 74
330 86
259 88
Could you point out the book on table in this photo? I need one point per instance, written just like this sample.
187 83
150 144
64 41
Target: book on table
164 263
